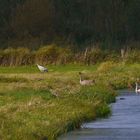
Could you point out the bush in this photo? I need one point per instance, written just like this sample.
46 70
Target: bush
15 57
133 56
48 54
53 54
94 55
106 66
66 56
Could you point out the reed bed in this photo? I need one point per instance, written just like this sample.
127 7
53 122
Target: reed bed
57 55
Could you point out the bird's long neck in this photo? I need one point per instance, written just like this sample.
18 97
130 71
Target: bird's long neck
136 87
81 78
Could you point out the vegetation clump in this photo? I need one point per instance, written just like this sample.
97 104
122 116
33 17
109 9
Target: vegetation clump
58 55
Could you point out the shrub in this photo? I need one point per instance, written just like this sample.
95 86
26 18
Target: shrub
106 66
48 54
14 57
65 55
94 55
133 56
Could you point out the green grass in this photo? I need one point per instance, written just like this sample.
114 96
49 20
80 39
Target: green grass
52 68
4 79
38 114
29 109
21 69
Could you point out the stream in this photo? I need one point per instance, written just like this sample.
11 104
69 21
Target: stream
123 124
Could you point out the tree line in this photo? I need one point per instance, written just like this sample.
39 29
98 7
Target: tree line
33 23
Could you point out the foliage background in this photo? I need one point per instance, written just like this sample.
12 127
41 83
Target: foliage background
33 23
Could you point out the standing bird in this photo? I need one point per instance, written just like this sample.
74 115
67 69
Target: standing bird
42 69
137 90
85 82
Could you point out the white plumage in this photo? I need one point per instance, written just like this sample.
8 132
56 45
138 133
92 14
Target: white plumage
85 82
42 69
137 90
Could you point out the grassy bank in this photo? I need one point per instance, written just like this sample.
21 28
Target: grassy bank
38 106
36 114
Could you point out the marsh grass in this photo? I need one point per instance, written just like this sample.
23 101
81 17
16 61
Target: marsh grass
30 109
51 68
4 79
36 114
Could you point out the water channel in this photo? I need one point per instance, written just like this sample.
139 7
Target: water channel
123 124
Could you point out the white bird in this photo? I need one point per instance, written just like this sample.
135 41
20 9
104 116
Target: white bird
85 82
137 90
42 69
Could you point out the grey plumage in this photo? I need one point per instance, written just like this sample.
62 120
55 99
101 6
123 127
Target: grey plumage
85 82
